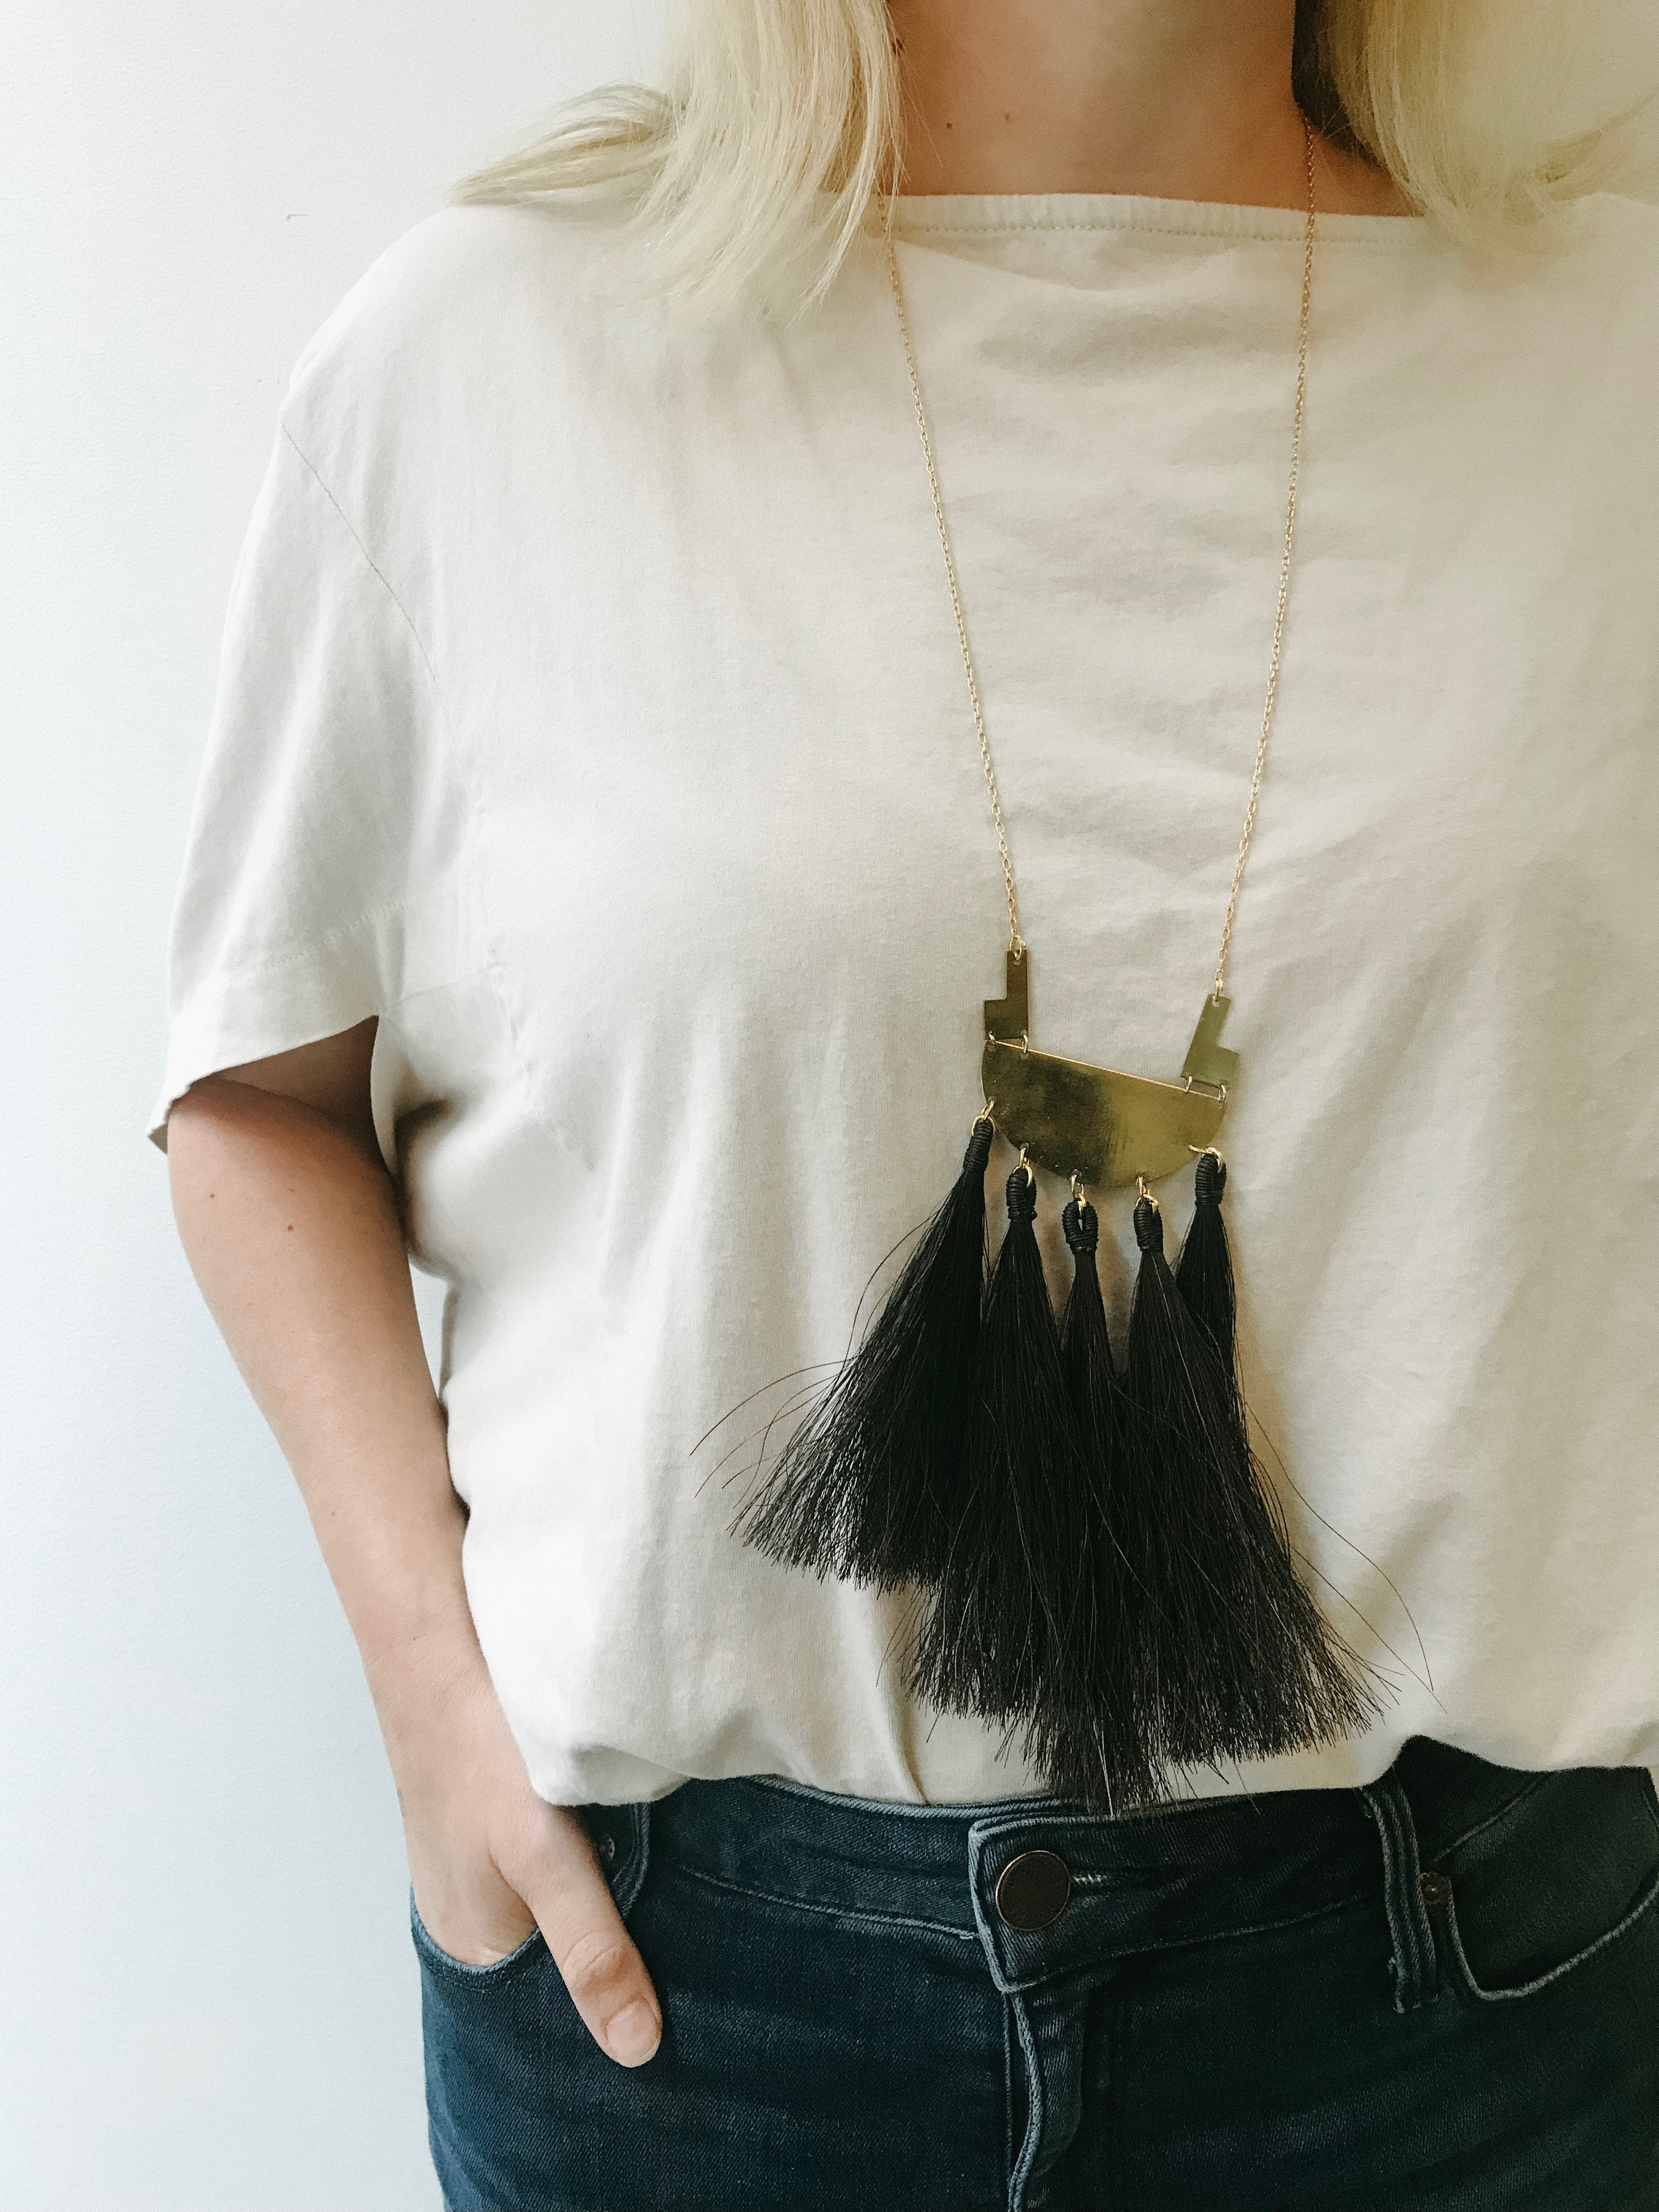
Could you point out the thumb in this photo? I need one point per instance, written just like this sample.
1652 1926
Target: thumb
594 1952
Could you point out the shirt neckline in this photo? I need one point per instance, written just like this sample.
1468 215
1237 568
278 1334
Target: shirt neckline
968 215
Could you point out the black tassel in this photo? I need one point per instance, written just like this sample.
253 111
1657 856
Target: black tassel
1103 1757
1000 1637
1204 1273
1240 1662
1333 1687
869 1485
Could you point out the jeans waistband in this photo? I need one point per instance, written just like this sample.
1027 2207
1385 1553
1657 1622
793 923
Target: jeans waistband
1184 1874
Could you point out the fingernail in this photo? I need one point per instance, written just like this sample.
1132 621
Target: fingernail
633 2034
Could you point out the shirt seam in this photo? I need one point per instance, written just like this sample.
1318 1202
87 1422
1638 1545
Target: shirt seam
313 949
375 569
490 964
393 906
904 230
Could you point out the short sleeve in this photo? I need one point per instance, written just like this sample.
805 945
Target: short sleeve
324 874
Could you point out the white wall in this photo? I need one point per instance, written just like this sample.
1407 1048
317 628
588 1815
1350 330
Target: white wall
207 1998
206 1995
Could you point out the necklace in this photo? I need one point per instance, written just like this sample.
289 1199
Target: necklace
1103 1570
1102 1127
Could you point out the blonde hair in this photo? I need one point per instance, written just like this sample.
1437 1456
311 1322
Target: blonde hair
779 128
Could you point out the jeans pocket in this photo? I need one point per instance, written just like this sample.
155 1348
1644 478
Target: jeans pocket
432 1955
1552 1882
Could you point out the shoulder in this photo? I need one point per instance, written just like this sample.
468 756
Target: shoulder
468 262
1548 350
1614 225
469 309
1590 295
1588 344
1609 257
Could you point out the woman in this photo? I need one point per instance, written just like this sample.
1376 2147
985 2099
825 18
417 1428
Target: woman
594 892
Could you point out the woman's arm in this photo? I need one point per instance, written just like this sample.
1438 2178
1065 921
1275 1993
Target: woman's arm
290 1222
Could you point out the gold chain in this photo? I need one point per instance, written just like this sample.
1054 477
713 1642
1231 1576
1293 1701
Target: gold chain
1016 942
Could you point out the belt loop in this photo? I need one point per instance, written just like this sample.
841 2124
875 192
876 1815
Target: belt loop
628 1879
621 1836
1413 1968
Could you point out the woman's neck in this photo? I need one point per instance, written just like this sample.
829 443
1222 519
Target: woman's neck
1183 100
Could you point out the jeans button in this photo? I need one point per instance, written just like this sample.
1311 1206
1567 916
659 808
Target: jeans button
1435 1887
1032 1891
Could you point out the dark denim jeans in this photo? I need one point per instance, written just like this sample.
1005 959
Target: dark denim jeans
1441 1991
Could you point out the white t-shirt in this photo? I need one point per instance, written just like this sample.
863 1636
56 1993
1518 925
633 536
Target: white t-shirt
592 713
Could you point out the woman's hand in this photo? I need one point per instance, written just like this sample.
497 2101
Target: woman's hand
490 1860
292 1227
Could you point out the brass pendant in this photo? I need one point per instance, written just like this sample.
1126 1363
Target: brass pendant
1093 1122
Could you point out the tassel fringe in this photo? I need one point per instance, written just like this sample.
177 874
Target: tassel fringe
1108 1575
868 1486
1106 1755
1006 1617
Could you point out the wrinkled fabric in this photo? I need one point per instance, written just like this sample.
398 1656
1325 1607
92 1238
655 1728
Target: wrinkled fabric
592 715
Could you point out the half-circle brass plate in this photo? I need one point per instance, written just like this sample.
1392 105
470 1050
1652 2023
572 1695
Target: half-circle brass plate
1094 1122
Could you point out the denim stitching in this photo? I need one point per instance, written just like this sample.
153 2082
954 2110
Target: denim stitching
1415 1962
1035 2112
1501 1812
832 1911
433 1953
970 1815
627 1878
1396 1964
1096 1959
997 1826
1535 1784
1253 1928
1009 2151
1645 1904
